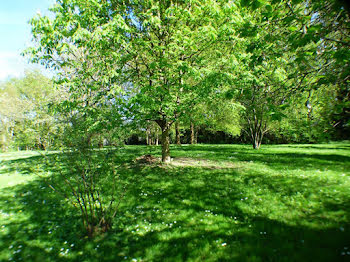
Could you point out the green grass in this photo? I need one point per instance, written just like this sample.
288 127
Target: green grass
215 203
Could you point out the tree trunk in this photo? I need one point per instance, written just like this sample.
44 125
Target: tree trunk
309 113
48 141
42 143
192 133
257 139
165 145
147 135
256 143
88 140
100 143
4 142
196 135
165 140
177 130
256 130
7 137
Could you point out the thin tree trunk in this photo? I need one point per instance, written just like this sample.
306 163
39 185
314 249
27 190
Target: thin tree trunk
192 133
177 130
4 142
309 113
255 132
256 143
257 139
88 140
7 137
196 135
147 135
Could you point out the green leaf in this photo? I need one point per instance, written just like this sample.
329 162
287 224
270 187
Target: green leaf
292 28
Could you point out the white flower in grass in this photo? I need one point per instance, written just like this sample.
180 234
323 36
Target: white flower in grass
223 244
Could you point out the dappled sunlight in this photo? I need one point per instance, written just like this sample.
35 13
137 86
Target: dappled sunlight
198 209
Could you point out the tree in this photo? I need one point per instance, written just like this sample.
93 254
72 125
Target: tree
261 69
320 36
10 106
24 115
217 113
275 61
151 50
169 63
331 25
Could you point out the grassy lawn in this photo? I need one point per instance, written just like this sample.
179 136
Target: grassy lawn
212 203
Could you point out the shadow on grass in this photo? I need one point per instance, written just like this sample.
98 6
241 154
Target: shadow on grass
287 159
321 146
179 214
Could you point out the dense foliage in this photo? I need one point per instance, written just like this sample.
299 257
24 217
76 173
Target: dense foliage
25 119
273 71
164 61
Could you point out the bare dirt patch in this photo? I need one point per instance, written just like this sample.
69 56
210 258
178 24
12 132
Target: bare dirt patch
147 160
192 162
184 162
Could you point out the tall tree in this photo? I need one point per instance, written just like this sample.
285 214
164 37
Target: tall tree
169 66
263 67
279 58
149 49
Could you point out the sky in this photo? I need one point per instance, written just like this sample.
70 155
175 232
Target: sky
15 35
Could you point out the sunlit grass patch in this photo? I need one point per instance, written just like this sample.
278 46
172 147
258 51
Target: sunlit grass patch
222 202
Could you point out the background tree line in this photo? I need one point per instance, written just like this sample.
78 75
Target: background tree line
183 72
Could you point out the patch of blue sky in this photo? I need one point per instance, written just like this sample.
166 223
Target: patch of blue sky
15 34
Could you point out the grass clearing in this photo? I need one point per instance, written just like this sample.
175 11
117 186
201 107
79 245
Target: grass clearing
213 202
